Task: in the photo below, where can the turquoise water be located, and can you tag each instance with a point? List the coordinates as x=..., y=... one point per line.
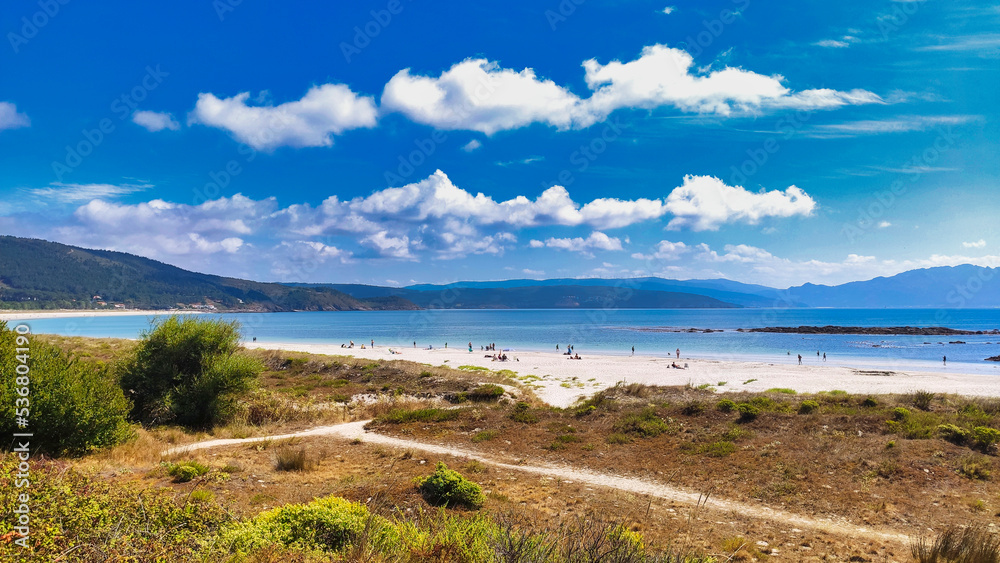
x=615, y=332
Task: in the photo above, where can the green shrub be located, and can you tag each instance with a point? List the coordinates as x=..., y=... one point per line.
x=726, y=405
x=486, y=392
x=188, y=371
x=869, y=402
x=748, y=412
x=808, y=407
x=73, y=407
x=721, y=448
x=186, y=470
x=966, y=544
x=782, y=390
x=618, y=438
x=446, y=487
x=522, y=413
x=327, y=524
x=900, y=413
x=645, y=424
x=484, y=436
x=953, y=433
x=985, y=436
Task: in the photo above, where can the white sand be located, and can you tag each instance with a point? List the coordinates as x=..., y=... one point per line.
x=70, y=313
x=563, y=381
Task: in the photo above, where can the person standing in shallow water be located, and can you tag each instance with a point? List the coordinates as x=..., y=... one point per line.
x=678, y=353
x=800, y=359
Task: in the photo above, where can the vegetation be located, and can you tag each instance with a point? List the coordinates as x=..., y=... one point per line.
x=37, y=274
x=973, y=544
x=446, y=487
x=70, y=406
x=188, y=371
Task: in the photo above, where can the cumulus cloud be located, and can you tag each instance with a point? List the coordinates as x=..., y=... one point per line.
x=471, y=145
x=981, y=243
x=312, y=121
x=705, y=203
x=155, y=121
x=596, y=241
x=479, y=95
x=668, y=10
x=10, y=118
x=75, y=193
x=664, y=250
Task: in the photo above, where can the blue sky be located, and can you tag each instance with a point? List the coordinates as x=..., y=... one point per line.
x=400, y=141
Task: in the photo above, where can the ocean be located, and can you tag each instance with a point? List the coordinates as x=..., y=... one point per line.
x=617, y=331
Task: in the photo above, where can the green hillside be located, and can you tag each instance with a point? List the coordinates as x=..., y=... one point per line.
x=37, y=274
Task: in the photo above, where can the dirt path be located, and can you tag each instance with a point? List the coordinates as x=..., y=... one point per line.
x=354, y=430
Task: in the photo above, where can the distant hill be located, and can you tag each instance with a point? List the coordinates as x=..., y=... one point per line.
x=946, y=286
x=37, y=274
x=535, y=297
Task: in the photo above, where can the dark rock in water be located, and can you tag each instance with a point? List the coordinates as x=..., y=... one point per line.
x=956, y=342
x=993, y=359
x=872, y=330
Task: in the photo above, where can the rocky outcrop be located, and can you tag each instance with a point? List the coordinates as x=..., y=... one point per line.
x=872, y=330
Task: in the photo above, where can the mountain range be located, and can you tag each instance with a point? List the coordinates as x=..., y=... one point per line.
x=39, y=274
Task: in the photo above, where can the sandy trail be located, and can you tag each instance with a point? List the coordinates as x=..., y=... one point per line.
x=352, y=430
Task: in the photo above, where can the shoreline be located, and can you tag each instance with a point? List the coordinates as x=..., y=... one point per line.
x=73, y=313
x=560, y=381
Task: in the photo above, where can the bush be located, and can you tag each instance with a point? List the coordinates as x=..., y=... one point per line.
x=726, y=405
x=73, y=407
x=484, y=436
x=985, y=436
x=486, y=392
x=869, y=402
x=900, y=413
x=645, y=424
x=186, y=471
x=721, y=448
x=922, y=400
x=693, y=408
x=953, y=433
x=328, y=524
x=446, y=487
x=521, y=413
x=808, y=407
x=187, y=371
x=748, y=412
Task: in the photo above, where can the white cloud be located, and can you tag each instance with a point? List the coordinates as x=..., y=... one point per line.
x=981, y=243
x=75, y=193
x=884, y=224
x=665, y=250
x=832, y=43
x=596, y=241
x=535, y=273
x=155, y=121
x=390, y=246
x=312, y=121
x=479, y=95
x=669, y=10
x=471, y=145
x=900, y=124
x=705, y=203
x=10, y=118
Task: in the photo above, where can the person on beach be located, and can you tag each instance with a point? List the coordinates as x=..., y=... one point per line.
x=824, y=356
x=373, y=343
x=944, y=360
x=414, y=343
x=678, y=353
x=352, y=344
x=633, y=350
x=800, y=359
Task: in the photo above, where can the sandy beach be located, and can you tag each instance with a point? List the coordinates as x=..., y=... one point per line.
x=560, y=381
